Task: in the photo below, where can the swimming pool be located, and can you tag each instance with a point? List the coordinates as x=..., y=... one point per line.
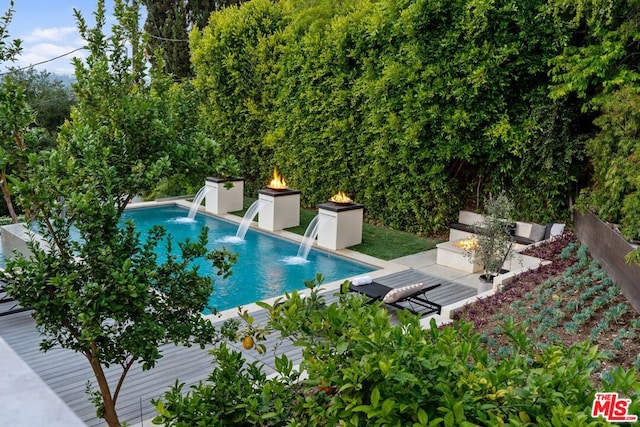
x=260, y=272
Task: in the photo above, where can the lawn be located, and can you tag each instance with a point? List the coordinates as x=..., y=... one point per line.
x=379, y=242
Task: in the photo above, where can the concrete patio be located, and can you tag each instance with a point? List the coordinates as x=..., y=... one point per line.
x=425, y=262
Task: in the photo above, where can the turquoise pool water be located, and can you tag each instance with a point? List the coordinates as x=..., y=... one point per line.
x=260, y=272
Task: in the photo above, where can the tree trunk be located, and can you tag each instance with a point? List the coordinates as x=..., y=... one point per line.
x=109, y=405
x=7, y=197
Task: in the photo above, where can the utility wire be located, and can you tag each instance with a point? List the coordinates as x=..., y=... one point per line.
x=42, y=62
x=76, y=50
x=166, y=39
x=46, y=101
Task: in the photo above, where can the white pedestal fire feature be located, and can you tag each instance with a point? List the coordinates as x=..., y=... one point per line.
x=451, y=255
x=340, y=225
x=220, y=199
x=281, y=209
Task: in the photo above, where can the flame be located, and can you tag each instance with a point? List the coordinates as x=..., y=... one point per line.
x=340, y=197
x=278, y=181
x=469, y=244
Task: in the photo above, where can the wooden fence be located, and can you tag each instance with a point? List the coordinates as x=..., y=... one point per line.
x=609, y=248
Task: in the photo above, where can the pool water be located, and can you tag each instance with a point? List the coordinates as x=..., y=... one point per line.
x=261, y=271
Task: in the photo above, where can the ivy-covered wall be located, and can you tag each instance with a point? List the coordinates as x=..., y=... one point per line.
x=415, y=108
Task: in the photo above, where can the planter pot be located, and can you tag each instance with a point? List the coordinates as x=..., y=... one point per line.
x=224, y=195
x=488, y=277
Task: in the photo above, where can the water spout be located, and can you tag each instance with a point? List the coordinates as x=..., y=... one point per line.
x=197, y=201
x=310, y=236
x=248, y=218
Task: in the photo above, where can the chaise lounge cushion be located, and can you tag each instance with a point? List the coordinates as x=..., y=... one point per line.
x=401, y=293
x=537, y=232
x=462, y=227
x=556, y=229
x=470, y=218
x=411, y=297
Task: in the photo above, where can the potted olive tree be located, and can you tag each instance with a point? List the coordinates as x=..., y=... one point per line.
x=494, y=236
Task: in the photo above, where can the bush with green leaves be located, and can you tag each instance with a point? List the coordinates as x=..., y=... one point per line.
x=193, y=155
x=412, y=107
x=15, y=119
x=600, y=69
x=359, y=369
x=16, y=139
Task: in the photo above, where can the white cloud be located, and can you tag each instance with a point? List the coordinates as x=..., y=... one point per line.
x=45, y=52
x=41, y=45
x=51, y=34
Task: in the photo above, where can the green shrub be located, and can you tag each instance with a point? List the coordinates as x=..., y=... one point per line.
x=361, y=370
x=414, y=108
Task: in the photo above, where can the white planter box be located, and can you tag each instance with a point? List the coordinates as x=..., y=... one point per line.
x=281, y=209
x=340, y=226
x=220, y=199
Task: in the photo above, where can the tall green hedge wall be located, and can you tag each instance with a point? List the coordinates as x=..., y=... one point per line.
x=414, y=108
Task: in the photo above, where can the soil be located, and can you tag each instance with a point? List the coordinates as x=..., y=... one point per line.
x=566, y=302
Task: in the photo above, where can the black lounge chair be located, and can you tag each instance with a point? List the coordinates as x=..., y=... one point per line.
x=5, y=299
x=411, y=297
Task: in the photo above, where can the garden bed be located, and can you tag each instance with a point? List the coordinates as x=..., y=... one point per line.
x=568, y=301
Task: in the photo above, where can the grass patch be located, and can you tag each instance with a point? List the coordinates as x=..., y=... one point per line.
x=380, y=242
x=385, y=243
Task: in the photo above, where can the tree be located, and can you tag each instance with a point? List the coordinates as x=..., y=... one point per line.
x=168, y=23
x=493, y=236
x=48, y=97
x=97, y=286
x=194, y=155
x=15, y=119
x=14, y=113
x=9, y=49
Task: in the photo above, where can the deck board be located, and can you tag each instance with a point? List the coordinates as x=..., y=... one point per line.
x=67, y=372
x=448, y=293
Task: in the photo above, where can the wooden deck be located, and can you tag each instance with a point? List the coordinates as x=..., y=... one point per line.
x=67, y=373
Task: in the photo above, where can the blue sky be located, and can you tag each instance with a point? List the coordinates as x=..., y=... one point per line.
x=48, y=29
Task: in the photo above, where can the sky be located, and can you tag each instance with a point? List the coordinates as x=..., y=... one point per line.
x=48, y=29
